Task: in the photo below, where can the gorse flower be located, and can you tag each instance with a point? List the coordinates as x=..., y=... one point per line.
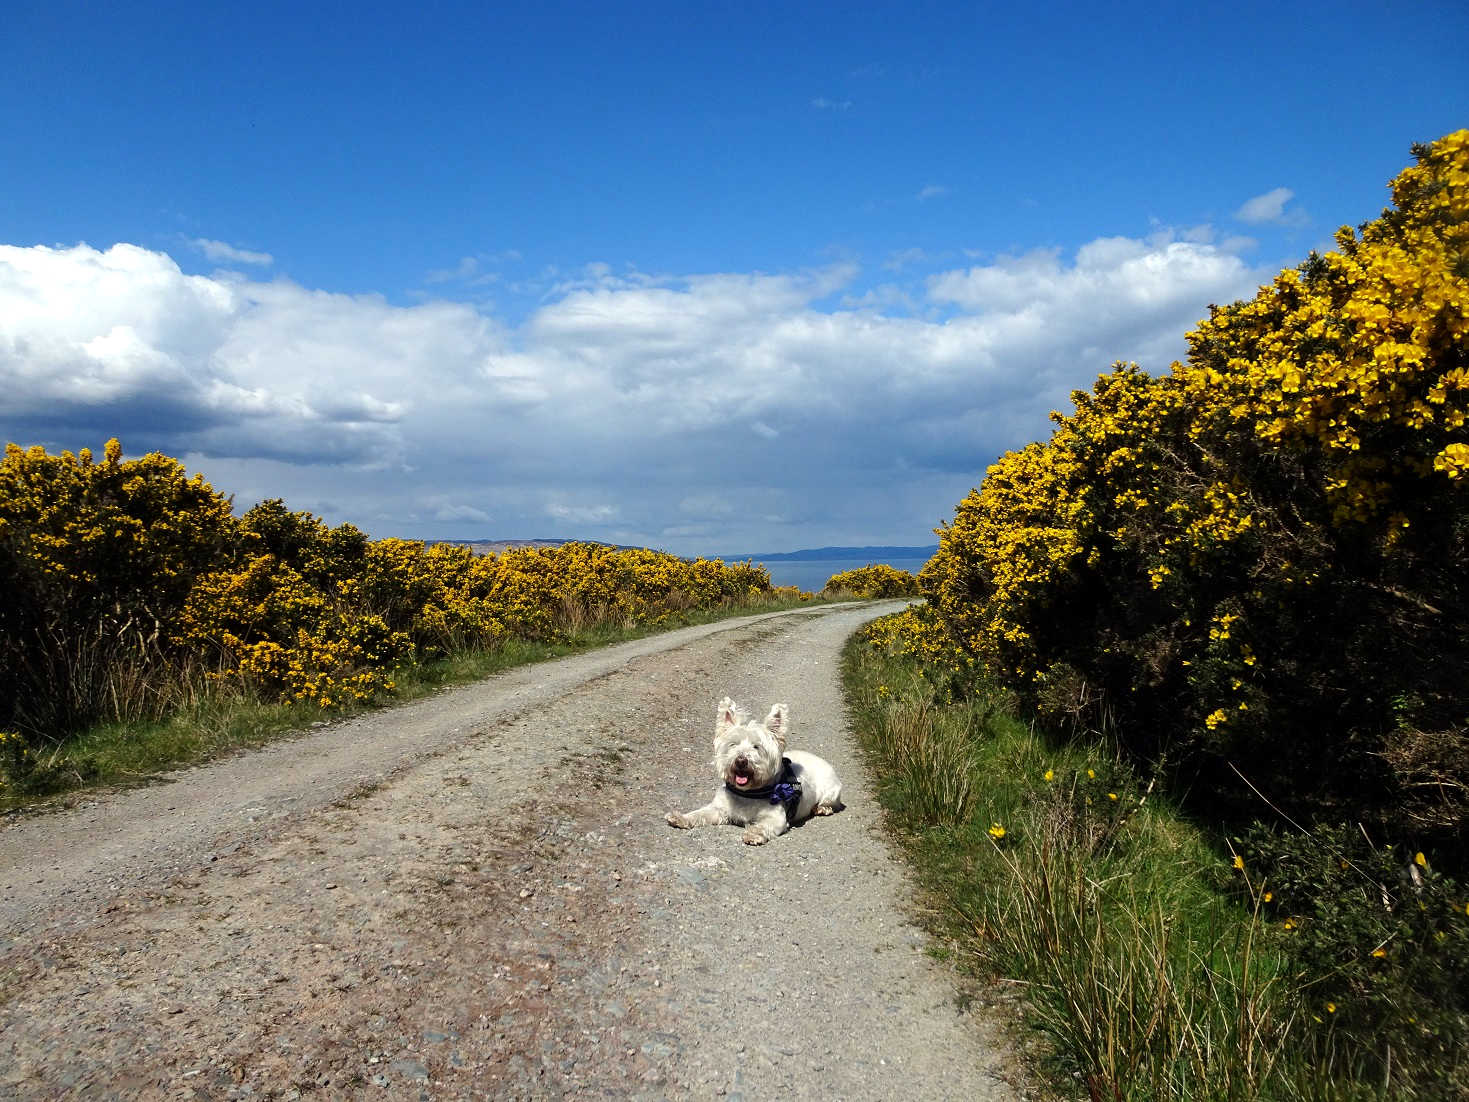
x=1221, y=559
x=874, y=580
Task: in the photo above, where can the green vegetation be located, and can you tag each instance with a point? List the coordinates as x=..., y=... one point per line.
x=1157, y=959
x=1226, y=855
x=138, y=602
x=870, y=582
x=1254, y=570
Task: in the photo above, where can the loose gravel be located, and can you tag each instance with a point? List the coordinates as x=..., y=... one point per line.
x=476, y=896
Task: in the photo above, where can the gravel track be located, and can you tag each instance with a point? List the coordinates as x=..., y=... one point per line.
x=476, y=896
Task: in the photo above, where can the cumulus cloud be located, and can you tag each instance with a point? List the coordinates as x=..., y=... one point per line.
x=222, y=253
x=218, y=365
x=1121, y=297
x=707, y=413
x=1268, y=208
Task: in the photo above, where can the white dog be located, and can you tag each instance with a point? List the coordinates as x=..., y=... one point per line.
x=765, y=788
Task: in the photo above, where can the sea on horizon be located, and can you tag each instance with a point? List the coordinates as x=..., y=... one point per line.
x=812, y=574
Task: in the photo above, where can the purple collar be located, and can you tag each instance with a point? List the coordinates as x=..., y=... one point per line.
x=785, y=789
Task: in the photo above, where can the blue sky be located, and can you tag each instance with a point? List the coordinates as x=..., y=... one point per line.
x=712, y=278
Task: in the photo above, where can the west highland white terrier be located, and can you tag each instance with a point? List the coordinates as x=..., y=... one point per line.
x=766, y=788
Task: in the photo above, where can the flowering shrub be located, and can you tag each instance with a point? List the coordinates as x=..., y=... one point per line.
x=916, y=634
x=1259, y=558
x=1385, y=939
x=97, y=558
x=873, y=580
x=134, y=576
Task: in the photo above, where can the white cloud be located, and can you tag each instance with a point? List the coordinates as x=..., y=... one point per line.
x=1123, y=298
x=218, y=364
x=885, y=297
x=1268, y=208
x=710, y=413
x=932, y=191
x=821, y=103
x=221, y=253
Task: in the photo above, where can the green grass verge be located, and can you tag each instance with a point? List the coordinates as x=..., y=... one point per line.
x=1152, y=965
x=216, y=720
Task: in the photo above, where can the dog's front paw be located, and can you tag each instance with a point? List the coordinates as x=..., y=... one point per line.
x=680, y=821
x=755, y=837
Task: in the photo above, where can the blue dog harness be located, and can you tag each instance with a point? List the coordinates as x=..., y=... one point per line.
x=784, y=790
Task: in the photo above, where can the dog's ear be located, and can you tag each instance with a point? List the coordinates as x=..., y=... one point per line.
x=778, y=723
x=728, y=716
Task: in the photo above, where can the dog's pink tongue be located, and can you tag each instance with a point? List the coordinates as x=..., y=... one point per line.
x=741, y=780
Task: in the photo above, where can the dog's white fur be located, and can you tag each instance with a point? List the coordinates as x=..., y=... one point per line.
x=748, y=755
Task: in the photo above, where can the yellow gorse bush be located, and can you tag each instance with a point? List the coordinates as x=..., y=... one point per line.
x=873, y=581
x=1259, y=556
x=134, y=564
x=98, y=558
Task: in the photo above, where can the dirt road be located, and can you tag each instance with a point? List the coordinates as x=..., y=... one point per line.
x=476, y=896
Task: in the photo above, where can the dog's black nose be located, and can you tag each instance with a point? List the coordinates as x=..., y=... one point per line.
x=742, y=762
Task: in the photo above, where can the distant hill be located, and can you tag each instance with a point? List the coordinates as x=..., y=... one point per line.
x=841, y=554
x=494, y=547
x=810, y=554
